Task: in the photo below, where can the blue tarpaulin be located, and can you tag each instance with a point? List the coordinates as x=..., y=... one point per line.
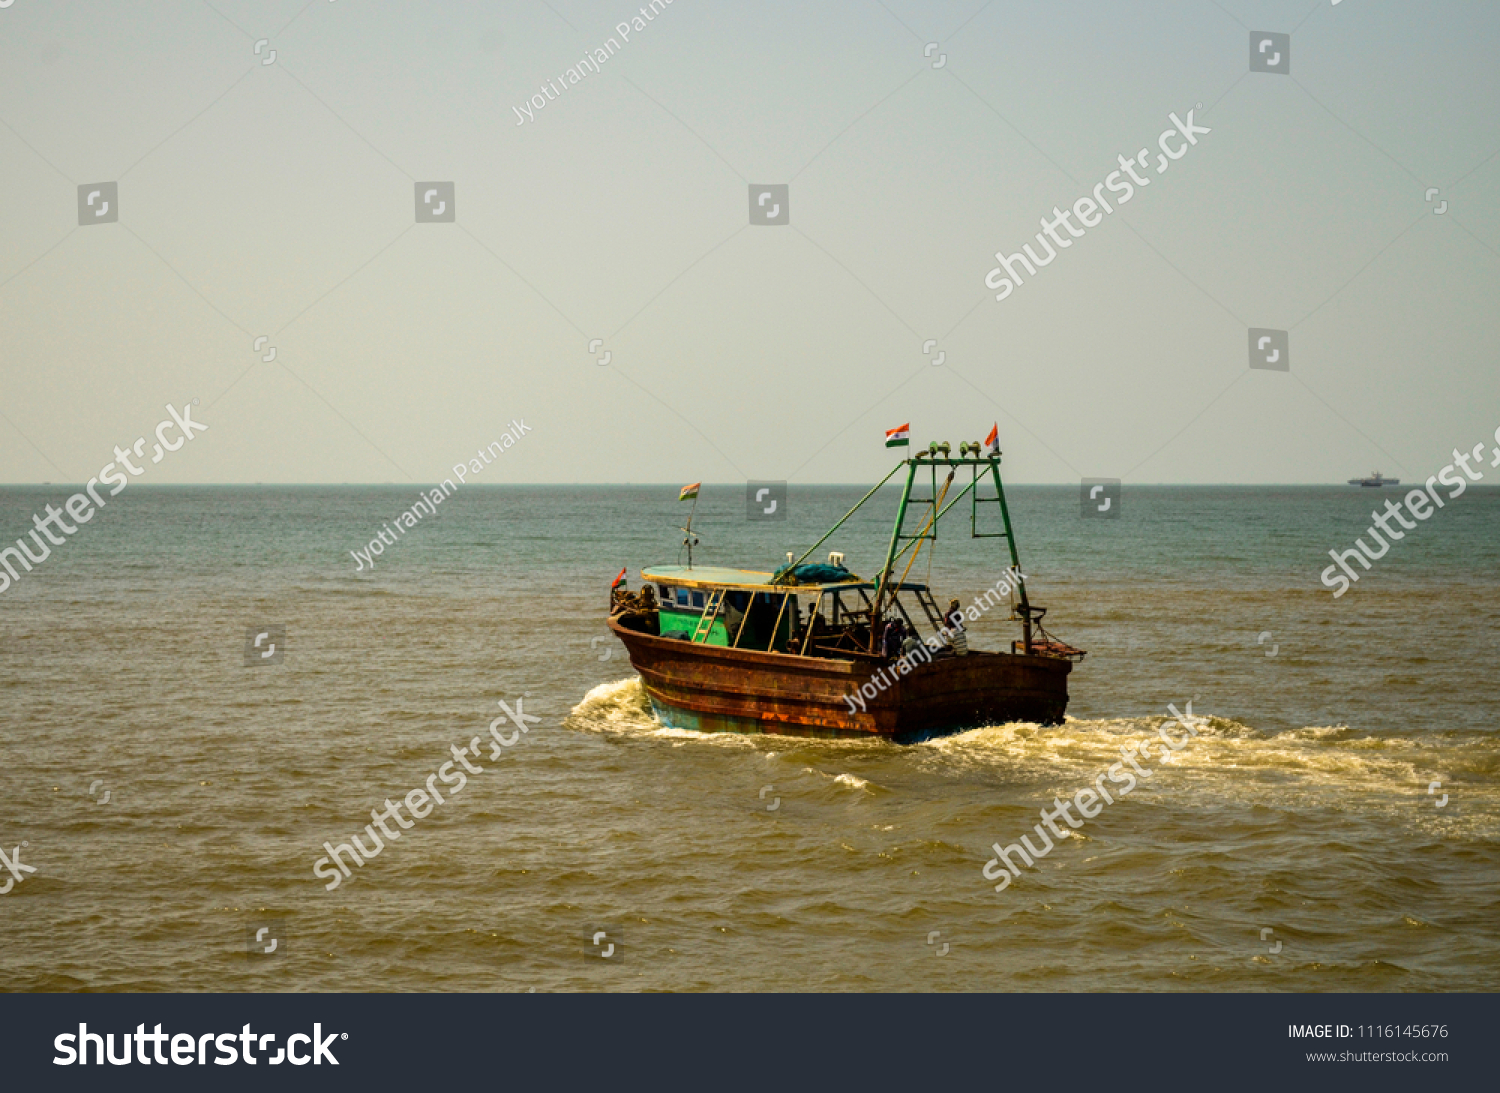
x=817, y=573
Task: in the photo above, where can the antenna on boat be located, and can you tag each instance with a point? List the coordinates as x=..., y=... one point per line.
x=690, y=540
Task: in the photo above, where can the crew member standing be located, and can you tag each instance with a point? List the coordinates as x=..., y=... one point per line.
x=955, y=620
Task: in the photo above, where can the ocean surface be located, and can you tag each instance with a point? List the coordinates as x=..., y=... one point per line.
x=1334, y=826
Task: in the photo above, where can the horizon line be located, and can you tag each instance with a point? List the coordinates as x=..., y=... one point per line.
x=663, y=485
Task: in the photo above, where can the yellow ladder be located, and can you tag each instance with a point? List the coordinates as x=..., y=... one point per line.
x=710, y=613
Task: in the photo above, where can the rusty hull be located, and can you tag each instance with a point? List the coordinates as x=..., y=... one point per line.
x=712, y=688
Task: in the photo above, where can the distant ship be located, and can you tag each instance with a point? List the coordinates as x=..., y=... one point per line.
x=1375, y=480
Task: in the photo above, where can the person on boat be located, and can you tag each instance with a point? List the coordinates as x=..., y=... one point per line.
x=955, y=621
x=734, y=617
x=625, y=603
x=810, y=633
x=895, y=634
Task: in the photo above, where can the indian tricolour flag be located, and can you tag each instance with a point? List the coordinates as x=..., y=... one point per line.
x=689, y=492
x=899, y=437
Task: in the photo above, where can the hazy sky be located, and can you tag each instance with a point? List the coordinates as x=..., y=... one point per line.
x=279, y=199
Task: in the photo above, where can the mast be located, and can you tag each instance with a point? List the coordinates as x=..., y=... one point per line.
x=1015, y=558
x=933, y=457
x=895, y=551
x=890, y=554
x=688, y=531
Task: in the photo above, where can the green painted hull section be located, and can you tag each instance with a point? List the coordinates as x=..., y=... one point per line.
x=687, y=623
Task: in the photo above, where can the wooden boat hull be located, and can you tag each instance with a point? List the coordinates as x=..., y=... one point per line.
x=712, y=688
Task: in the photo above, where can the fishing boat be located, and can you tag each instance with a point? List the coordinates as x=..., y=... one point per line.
x=814, y=649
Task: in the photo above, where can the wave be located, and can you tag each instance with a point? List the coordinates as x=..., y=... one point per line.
x=620, y=706
x=1234, y=757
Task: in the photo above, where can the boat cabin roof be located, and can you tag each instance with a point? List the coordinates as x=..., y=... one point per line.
x=749, y=580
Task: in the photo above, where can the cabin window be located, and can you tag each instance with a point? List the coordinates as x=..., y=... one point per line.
x=698, y=599
x=666, y=593
x=682, y=597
